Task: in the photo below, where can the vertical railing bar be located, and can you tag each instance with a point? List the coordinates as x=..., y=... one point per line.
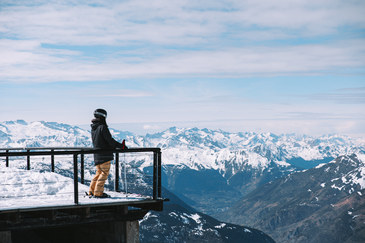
x=159, y=175
x=154, y=175
x=116, y=179
x=125, y=176
x=28, y=159
x=76, y=186
x=7, y=159
x=52, y=160
x=82, y=168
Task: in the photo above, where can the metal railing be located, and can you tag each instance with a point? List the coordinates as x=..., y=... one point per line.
x=82, y=151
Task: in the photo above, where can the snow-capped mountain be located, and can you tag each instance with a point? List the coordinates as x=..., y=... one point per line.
x=322, y=204
x=195, y=148
x=211, y=169
x=42, y=134
x=202, y=166
x=209, y=149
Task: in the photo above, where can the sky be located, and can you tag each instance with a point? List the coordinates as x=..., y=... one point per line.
x=285, y=66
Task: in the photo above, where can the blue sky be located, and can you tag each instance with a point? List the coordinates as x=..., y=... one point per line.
x=268, y=66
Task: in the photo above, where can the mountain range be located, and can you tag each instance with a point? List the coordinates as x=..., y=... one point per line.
x=209, y=169
x=289, y=186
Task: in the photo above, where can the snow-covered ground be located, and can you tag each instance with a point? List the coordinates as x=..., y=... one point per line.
x=21, y=189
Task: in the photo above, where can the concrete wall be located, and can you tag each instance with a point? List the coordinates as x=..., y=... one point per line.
x=5, y=237
x=107, y=232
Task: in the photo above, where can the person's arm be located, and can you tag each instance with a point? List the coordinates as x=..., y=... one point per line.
x=110, y=140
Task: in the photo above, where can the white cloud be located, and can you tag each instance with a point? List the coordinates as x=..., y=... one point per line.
x=173, y=22
x=28, y=62
x=158, y=39
x=123, y=93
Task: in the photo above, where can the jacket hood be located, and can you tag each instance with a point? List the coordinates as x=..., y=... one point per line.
x=96, y=122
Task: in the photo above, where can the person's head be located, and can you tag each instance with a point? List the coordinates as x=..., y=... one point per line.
x=100, y=113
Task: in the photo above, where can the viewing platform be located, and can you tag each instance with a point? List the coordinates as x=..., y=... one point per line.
x=52, y=200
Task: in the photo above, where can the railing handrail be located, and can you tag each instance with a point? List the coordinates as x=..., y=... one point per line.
x=70, y=150
x=40, y=148
x=75, y=151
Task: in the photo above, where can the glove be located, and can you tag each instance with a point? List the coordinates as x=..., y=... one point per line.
x=123, y=145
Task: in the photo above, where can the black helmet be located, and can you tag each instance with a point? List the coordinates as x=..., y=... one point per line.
x=99, y=113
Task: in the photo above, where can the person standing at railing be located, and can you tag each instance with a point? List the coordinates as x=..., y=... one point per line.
x=102, y=139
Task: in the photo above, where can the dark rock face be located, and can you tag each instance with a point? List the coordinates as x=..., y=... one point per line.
x=178, y=222
x=323, y=204
x=210, y=192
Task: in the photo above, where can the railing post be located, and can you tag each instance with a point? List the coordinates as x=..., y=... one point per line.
x=76, y=186
x=116, y=180
x=82, y=169
x=52, y=160
x=155, y=175
x=7, y=159
x=159, y=175
x=125, y=176
x=28, y=159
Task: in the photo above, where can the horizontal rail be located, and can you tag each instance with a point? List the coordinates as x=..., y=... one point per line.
x=69, y=151
x=42, y=148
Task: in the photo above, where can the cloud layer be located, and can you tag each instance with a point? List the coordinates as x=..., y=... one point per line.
x=48, y=41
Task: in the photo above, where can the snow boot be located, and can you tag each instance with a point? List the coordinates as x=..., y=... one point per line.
x=103, y=196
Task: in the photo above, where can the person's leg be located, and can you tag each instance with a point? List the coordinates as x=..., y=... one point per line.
x=94, y=180
x=99, y=187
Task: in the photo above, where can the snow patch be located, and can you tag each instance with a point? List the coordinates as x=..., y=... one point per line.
x=247, y=230
x=222, y=225
x=361, y=157
x=282, y=163
x=336, y=187
x=196, y=218
x=320, y=165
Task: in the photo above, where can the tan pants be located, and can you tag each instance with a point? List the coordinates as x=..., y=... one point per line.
x=98, y=181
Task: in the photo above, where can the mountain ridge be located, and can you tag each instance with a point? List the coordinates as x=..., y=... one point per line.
x=253, y=149
x=325, y=204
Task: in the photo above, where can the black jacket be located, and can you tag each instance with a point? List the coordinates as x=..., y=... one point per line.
x=102, y=139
